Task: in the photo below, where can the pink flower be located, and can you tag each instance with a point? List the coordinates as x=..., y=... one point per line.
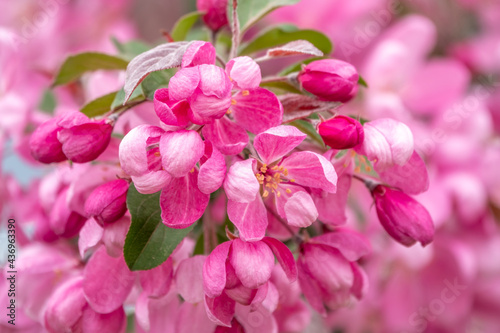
x=328, y=273
x=158, y=160
x=329, y=79
x=253, y=109
x=387, y=142
x=68, y=311
x=341, y=132
x=70, y=136
x=198, y=94
x=199, y=53
x=215, y=13
x=239, y=271
x=107, y=203
x=284, y=181
x=406, y=220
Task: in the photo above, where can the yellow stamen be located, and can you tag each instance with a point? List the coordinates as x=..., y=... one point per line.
x=292, y=180
x=192, y=170
x=285, y=172
x=278, y=194
x=245, y=92
x=229, y=111
x=265, y=194
x=233, y=101
x=157, y=154
x=288, y=191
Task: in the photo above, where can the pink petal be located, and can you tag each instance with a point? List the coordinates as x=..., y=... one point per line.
x=193, y=318
x=114, y=322
x=65, y=306
x=189, y=279
x=205, y=109
x=183, y=84
x=242, y=294
x=388, y=141
x=156, y=282
x=256, y=321
x=300, y=210
x=226, y=136
x=250, y=218
x=360, y=285
x=199, y=53
x=171, y=113
x=90, y=236
x=284, y=256
x=399, y=175
x=331, y=206
x=213, y=171
x=436, y=86
x=181, y=202
x=214, y=81
x=114, y=236
x=312, y=170
x=220, y=310
x=352, y=244
x=276, y=142
x=240, y=184
x=151, y=182
x=311, y=289
x=244, y=72
x=253, y=262
x=180, y=151
x=133, y=153
x=214, y=270
x=257, y=110
x=107, y=281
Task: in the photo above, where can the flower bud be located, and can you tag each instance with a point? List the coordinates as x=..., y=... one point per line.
x=341, y=132
x=404, y=218
x=329, y=79
x=215, y=17
x=107, y=203
x=44, y=145
x=82, y=139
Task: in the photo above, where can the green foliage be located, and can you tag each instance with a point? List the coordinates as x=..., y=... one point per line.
x=149, y=242
x=284, y=34
x=76, y=65
x=99, y=106
x=183, y=26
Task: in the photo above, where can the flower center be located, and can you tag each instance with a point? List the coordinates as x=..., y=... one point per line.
x=269, y=178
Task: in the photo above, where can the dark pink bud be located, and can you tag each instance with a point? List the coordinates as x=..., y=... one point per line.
x=215, y=17
x=199, y=53
x=44, y=145
x=404, y=218
x=330, y=79
x=82, y=139
x=341, y=132
x=107, y=203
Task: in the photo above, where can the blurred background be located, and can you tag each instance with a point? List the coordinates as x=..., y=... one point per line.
x=434, y=65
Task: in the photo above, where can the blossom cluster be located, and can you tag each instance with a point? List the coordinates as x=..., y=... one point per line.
x=234, y=199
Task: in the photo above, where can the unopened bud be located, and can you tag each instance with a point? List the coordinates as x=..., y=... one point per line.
x=107, y=203
x=215, y=17
x=341, y=132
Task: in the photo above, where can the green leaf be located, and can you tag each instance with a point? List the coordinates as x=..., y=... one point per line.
x=48, y=102
x=137, y=95
x=250, y=11
x=297, y=66
x=284, y=34
x=308, y=129
x=183, y=25
x=362, y=82
x=131, y=49
x=77, y=65
x=282, y=86
x=149, y=242
x=99, y=106
x=156, y=80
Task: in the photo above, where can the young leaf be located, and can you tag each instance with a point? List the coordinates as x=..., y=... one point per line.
x=297, y=47
x=149, y=242
x=161, y=57
x=284, y=34
x=362, y=82
x=250, y=11
x=308, y=129
x=183, y=25
x=76, y=65
x=301, y=106
x=99, y=106
x=156, y=81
